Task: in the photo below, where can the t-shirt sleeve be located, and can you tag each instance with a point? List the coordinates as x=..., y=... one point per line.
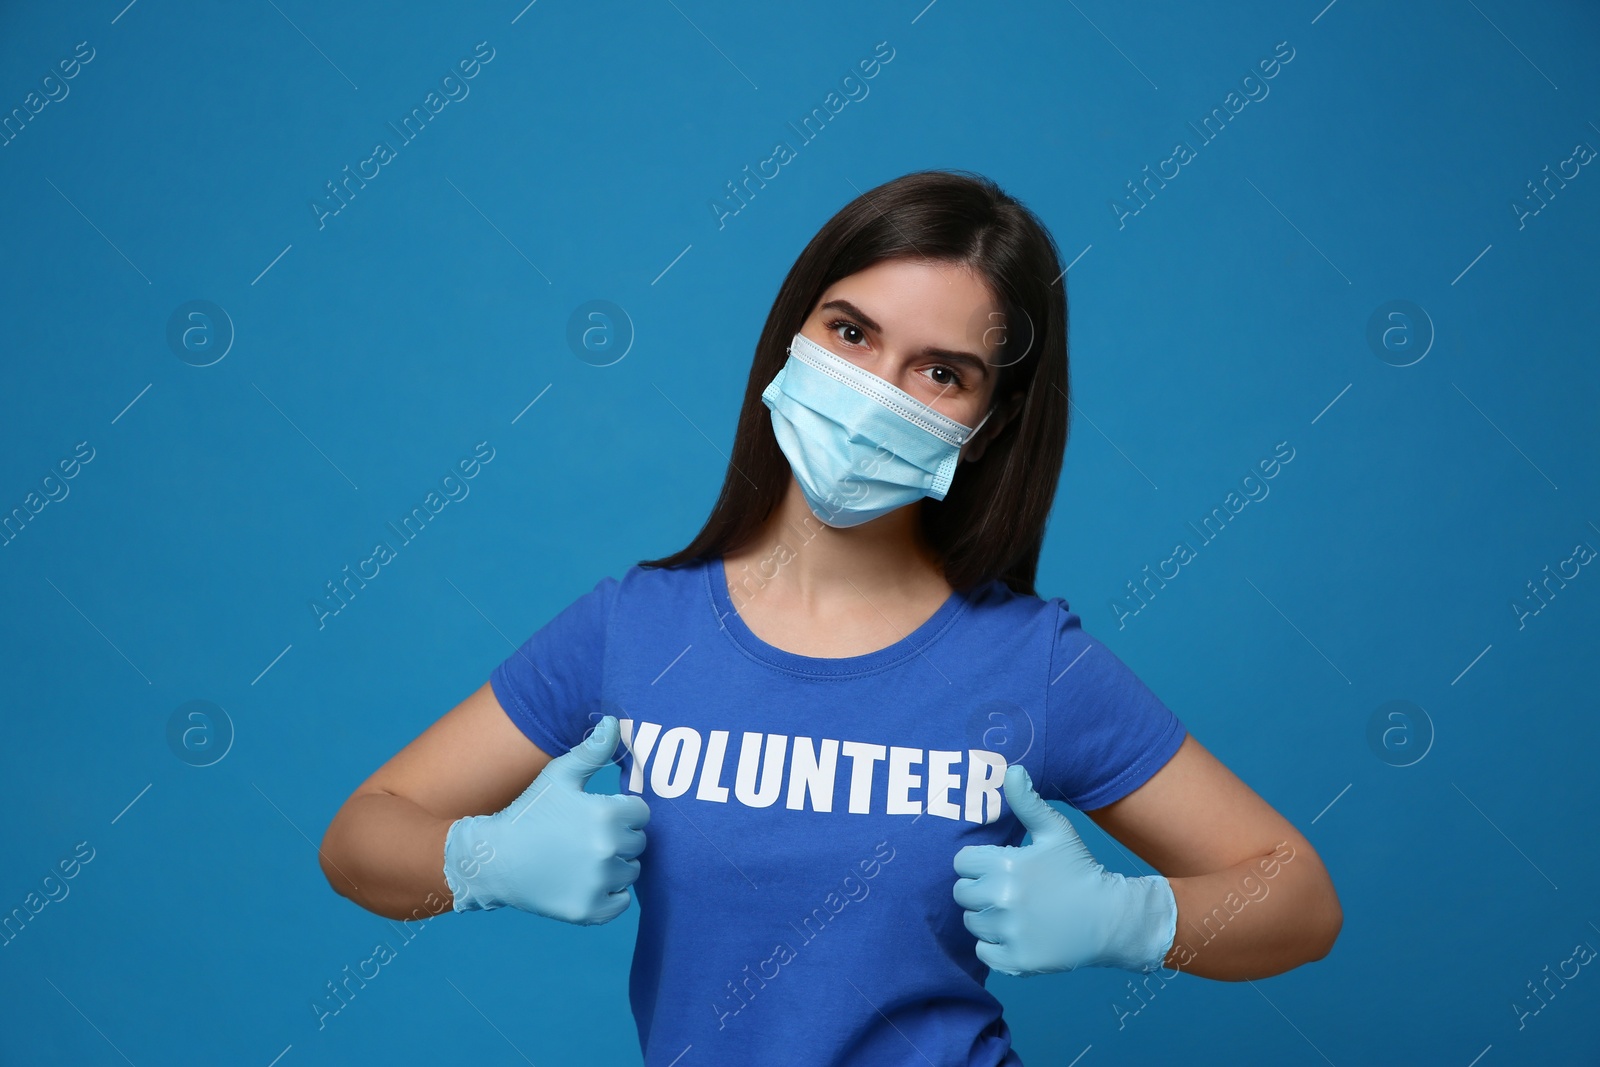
x=551, y=684
x=1106, y=733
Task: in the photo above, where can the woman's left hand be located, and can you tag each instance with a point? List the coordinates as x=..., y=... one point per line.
x=1051, y=906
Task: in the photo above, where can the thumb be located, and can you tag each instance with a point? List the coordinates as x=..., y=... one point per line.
x=1044, y=822
x=577, y=765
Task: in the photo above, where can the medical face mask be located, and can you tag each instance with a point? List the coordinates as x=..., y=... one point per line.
x=859, y=446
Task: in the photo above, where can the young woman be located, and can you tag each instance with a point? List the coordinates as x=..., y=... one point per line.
x=842, y=706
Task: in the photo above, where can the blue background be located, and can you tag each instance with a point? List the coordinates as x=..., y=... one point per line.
x=371, y=354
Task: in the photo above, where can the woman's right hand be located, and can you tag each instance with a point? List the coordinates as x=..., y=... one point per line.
x=556, y=850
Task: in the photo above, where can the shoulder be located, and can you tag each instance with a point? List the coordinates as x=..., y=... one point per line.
x=997, y=604
x=647, y=580
x=1054, y=615
x=635, y=589
x=1050, y=627
x=652, y=588
x=1004, y=631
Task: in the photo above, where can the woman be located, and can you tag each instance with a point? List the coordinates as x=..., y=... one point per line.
x=841, y=706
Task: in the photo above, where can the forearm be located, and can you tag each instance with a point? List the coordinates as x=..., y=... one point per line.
x=386, y=853
x=1255, y=919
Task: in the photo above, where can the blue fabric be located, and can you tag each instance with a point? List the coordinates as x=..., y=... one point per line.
x=785, y=922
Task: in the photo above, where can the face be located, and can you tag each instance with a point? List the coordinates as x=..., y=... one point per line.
x=919, y=325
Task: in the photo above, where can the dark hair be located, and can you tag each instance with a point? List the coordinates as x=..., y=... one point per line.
x=991, y=523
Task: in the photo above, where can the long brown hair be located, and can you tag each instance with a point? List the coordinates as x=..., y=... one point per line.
x=991, y=523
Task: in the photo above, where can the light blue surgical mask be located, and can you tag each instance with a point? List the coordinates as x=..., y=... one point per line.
x=859, y=446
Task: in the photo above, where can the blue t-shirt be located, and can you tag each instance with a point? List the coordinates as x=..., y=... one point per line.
x=794, y=895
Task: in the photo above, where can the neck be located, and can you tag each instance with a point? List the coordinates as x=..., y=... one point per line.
x=812, y=563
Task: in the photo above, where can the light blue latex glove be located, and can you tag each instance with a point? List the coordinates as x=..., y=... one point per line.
x=556, y=850
x=1050, y=906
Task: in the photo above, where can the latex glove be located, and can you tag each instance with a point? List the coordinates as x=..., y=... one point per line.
x=1050, y=906
x=556, y=850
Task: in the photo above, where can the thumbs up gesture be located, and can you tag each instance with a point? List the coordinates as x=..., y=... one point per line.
x=1050, y=906
x=556, y=850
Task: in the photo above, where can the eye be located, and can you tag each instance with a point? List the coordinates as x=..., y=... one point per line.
x=956, y=379
x=850, y=328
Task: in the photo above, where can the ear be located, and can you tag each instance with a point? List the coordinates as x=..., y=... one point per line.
x=1008, y=410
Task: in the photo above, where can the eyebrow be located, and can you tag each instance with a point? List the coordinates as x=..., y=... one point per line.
x=978, y=365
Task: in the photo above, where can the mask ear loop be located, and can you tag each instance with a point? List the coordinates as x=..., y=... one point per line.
x=968, y=438
x=981, y=421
